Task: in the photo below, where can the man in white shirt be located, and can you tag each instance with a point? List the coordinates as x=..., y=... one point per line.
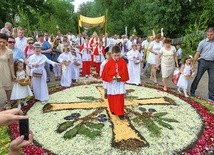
x=21, y=40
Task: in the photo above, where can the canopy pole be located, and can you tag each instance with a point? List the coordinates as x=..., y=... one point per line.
x=106, y=21
x=78, y=19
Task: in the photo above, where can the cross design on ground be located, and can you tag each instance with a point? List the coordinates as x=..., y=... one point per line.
x=123, y=131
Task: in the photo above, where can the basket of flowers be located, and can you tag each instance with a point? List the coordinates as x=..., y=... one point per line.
x=24, y=82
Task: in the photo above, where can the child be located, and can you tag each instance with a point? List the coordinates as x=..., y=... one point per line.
x=186, y=73
x=134, y=59
x=115, y=74
x=86, y=52
x=37, y=63
x=76, y=66
x=20, y=92
x=108, y=56
x=66, y=60
x=98, y=54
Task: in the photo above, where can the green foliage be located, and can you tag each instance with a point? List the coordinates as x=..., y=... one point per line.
x=152, y=121
x=153, y=128
x=4, y=140
x=131, y=97
x=194, y=34
x=72, y=132
x=40, y=15
x=64, y=126
x=88, y=98
x=90, y=130
x=144, y=15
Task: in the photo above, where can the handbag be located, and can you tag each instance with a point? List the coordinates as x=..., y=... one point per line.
x=175, y=76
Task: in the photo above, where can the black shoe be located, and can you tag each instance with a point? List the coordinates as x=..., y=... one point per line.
x=121, y=117
x=48, y=80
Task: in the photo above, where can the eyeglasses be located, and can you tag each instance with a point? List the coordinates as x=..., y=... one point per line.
x=30, y=43
x=11, y=42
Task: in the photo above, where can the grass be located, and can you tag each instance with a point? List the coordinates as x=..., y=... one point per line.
x=4, y=140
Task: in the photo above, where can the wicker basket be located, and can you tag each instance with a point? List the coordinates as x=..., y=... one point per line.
x=24, y=82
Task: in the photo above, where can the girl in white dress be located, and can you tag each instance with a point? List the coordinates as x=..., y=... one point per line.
x=186, y=74
x=20, y=92
x=66, y=60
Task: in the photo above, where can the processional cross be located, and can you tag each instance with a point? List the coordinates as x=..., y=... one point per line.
x=124, y=133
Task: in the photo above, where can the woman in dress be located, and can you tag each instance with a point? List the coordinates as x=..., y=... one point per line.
x=168, y=58
x=154, y=49
x=6, y=68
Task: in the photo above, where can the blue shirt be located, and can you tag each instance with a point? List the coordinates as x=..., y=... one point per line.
x=45, y=46
x=206, y=49
x=18, y=54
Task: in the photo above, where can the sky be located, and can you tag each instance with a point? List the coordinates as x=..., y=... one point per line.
x=78, y=2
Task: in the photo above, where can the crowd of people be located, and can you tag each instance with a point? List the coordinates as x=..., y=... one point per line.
x=26, y=64
x=69, y=57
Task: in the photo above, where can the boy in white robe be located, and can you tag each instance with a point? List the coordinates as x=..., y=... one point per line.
x=65, y=59
x=134, y=59
x=37, y=63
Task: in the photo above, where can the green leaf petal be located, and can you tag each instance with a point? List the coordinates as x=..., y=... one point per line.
x=168, y=120
x=72, y=132
x=160, y=114
x=64, y=126
x=166, y=125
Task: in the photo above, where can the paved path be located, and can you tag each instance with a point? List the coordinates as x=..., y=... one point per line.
x=202, y=90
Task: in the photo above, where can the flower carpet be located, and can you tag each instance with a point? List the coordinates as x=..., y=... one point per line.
x=77, y=120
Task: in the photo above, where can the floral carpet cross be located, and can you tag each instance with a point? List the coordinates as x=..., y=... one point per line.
x=125, y=135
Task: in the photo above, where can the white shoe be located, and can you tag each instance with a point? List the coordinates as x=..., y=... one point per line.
x=43, y=102
x=19, y=106
x=179, y=90
x=25, y=103
x=186, y=95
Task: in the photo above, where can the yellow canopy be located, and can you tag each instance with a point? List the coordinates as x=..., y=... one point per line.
x=91, y=22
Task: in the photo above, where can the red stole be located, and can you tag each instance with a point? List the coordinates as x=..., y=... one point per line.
x=83, y=46
x=98, y=52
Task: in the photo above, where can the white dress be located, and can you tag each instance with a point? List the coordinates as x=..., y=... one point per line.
x=66, y=78
x=152, y=59
x=184, y=82
x=75, y=73
x=40, y=87
x=167, y=61
x=18, y=91
x=133, y=68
